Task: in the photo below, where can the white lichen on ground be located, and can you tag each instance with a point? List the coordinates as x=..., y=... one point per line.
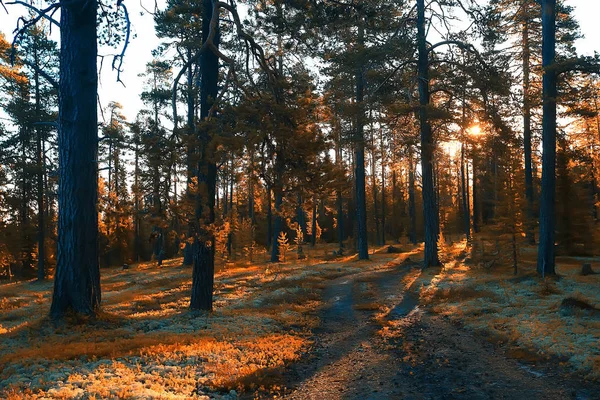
x=522, y=311
x=146, y=344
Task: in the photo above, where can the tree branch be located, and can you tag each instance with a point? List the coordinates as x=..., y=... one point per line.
x=127, y=36
x=41, y=13
x=42, y=73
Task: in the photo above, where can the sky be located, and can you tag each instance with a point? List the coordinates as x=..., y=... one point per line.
x=139, y=50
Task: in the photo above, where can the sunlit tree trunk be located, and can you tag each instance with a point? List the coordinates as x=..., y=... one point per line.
x=204, y=241
x=465, y=193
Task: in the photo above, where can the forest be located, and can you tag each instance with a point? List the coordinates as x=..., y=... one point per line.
x=317, y=199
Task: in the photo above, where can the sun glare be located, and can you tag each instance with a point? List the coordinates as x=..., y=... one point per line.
x=475, y=130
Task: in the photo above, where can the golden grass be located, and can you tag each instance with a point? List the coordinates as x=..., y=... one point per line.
x=7, y=304
x=145, y=343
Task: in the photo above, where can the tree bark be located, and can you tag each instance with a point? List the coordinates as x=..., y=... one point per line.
x=203, y=273
x=382, y=189
x=465, y=194
x=412, y=207
x=338, y=192
x=313, y=238
x=546, y=252
x=530, y=212
x=359, y=153
x=41, y=273
x=375, y=200
x=77, y=279
x=430, y=207
x=136, y=204
x=269, y=218
x=475, y=199
x=277, y=226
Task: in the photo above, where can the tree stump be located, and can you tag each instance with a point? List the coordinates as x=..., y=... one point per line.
x=586, y=269
x=394, y=250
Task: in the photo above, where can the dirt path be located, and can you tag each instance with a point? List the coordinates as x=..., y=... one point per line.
x=431, y=359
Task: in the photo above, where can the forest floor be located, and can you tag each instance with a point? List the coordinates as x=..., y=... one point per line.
x=321, y=328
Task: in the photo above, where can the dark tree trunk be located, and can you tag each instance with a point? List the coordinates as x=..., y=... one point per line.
x=465, y=194
x=301, y=216
x=188, y=253
x=136, y=205
x=395, y=221
x=475, y=199
x=225, y=196
x=251, y=214
x=277, y=226
x=231, y=182
x=382, y=189
x=269, y=218
x=338, y=192
x=530, y=212
x=430, y=207
x=204, y=241
x=412, y=207
x=41, y=273
x=340, y=220
x=545, y=260
x=313, y=238
x=27, y=244
x=375, y=200
x=77, y=279
x=361, y=197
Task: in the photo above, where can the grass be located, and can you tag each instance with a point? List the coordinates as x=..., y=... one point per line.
x=523, y=311
x=147, y=344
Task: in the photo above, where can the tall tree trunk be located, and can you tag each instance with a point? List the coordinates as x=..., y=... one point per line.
x=545, y=260
x=412, y=207
x=77, y=279
x=278, y=225
x=188, y=253
x=361, y=197
x=300, y=215
x=382, y=187
x=530, y=212
x=395, y=217
x=269, y=218
x=465, y=194
x=251, y=190
x=203, y=273
x=338, y=192
x=313, y=236
x=475, y=199
x=375, y=202
x=136, y=204
x=430, y=207
x=464, y=179
x=41, y=273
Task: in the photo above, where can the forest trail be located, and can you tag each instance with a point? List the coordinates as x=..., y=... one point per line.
x=353, y=358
